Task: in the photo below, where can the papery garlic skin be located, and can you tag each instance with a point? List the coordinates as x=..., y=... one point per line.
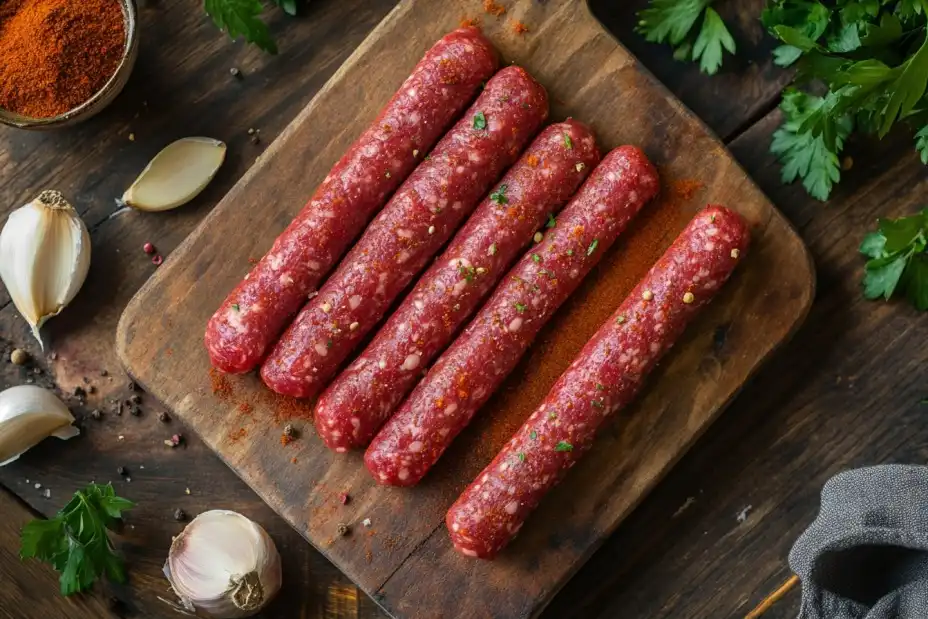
x=29, y=414
x=223, y=565
x=44, y=257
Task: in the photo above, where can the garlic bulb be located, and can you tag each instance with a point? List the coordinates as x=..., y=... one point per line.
x=44, y=257
x=28, y=414
x=176, y=175
x=223, y=565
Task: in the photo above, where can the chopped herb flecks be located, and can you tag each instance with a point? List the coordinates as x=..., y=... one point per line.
x=570, y=252
x=552, y=415
x=597, y=403
x=592, y=247
x=620, y=319
x=499, y=196
x=600, y=387
x=551, y=222
x=236, y=307
x=467, y=273
x=533, y=435
x=480, y=121
x=568, y=143
x=521, y=457
x=492, y=249
x=520, y=307
x=564, y=446
x=536, y=258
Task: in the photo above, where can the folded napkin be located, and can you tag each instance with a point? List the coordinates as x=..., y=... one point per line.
x=866, y=555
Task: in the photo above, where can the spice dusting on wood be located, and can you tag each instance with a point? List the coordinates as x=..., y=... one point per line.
x=57, y=54
x=493, y=8
x=519, y=28
x=470, y=22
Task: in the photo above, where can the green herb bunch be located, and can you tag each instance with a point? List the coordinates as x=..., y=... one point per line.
x=898, y=262
x=75, y=541
x=242, y=18
x=692, y=27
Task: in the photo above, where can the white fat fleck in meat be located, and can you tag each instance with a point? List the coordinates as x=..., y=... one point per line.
x=402, y=257
x=336, y=434
x=712, y=231
x=515, y=325
x=457, y=206
x=459, y=287
x=403, y=474
x=313, y=265
x=455, y=526
x=403, y=233
x=710, y=246
x=354, y=301
x=415, y=446
x=611, y=176
x=511, y=507
x=419, y=304
x=460, y=169
x=450, y=409
x=459, y=262
x=511, y=490
x=412, y=93
x=574, y=273
x=468, y=551
x=414, y=118
x=286, y=280
x=411, y=362
x=504, y=467
x=474, y=156
x=321, y=349
x=234, y=318
x=382, y=364
x=275, y=261
x=371, y=149
x=443, y=431
x=655, y=347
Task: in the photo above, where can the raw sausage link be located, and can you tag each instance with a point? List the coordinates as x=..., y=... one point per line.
x=242, y=330
x=606, y=375
x=418, y=220
x=356, y=404
x=477, y=362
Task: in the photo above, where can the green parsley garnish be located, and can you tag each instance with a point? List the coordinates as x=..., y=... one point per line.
x=564, y=446
x=568, y=143
x=551, y=222
x=468, y=273
x=242, y=18
x=499, y=196
x=592, y=247
x=480, y=121
x=236, y=307
x=597, y=404
x=492, y=249
x=600, y=387
x=533, y=435
x=536, y=258
x=673, y=22
x=570, y=252
x=525, y=106
x=520, y=307
x=898, y=259
x=552, y=415
x=75, y=541
x=620, y=319
x=521, y=457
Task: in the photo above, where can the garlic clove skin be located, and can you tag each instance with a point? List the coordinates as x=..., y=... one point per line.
x=29, y=414
x=176, y=175
x=223, y=565
x=44, y=257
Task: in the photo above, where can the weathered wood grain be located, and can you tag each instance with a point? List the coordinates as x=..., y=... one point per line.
x=405, y=556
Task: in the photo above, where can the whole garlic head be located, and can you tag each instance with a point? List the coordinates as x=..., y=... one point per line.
x=44, y=257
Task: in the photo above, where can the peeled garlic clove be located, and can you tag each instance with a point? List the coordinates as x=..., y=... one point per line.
x=44, y=257
x=223, y=565
x=29, y=414
x=176, y=175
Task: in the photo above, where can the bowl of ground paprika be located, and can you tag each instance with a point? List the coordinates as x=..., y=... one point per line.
x=63, y=60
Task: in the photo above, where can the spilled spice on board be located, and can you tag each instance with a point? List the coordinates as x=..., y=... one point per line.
x=519, y=28
x=470, y=22
x=492, y=8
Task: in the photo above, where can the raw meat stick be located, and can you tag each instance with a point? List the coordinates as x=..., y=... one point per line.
x=245, y=326
x=479, y=360
x=419, y=219
x=362, y=397
x=607, y=374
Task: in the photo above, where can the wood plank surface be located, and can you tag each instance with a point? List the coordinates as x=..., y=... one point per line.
x=405, y=557
x=799, y=421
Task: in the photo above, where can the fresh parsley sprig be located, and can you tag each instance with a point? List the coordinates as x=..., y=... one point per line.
x=674, y=22
x=242, y=18
x=75, y=541
x=898, y=259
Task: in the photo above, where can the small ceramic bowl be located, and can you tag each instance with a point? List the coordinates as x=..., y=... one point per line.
x=103, y=97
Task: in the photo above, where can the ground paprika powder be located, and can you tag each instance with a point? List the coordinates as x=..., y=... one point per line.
x=56, y=54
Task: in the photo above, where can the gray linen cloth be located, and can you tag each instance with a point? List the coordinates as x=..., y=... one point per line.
x=866, y=555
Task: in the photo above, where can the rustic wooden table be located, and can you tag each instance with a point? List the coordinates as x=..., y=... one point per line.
x=845, y=392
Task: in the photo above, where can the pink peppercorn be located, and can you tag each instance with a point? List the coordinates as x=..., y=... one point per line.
x=157, y=260
x=344, y=498
x=148, y=248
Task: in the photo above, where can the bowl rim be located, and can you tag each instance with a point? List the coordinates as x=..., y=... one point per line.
x=130, y=19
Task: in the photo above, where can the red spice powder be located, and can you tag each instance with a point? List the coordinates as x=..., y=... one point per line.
x=254, y=261
x=285, y=439
x=492, y=8
x=245, y=408
x=235, y=435
x=221, y=386
x=470, y=22
x=519, y=28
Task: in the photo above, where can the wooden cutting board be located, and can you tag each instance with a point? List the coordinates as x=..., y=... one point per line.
x=404, y=558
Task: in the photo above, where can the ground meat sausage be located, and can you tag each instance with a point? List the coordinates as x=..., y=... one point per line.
x=356, y=404
x=444, y=82
x=419, y=219
x=606, y=375
x=476, y=363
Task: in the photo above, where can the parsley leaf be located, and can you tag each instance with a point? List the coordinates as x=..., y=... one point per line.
x=480, y=121
x=75, y=541
x=520, y=307
x=288, y=6
x=241, y=18
x=898, y=261
x=568, y=143
x=713, y=36
x=563, y=446
x=499, y=196
x=674, y=22
x=592, y=247
x=921, y=144
x=551, y=222
x=804, y=154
